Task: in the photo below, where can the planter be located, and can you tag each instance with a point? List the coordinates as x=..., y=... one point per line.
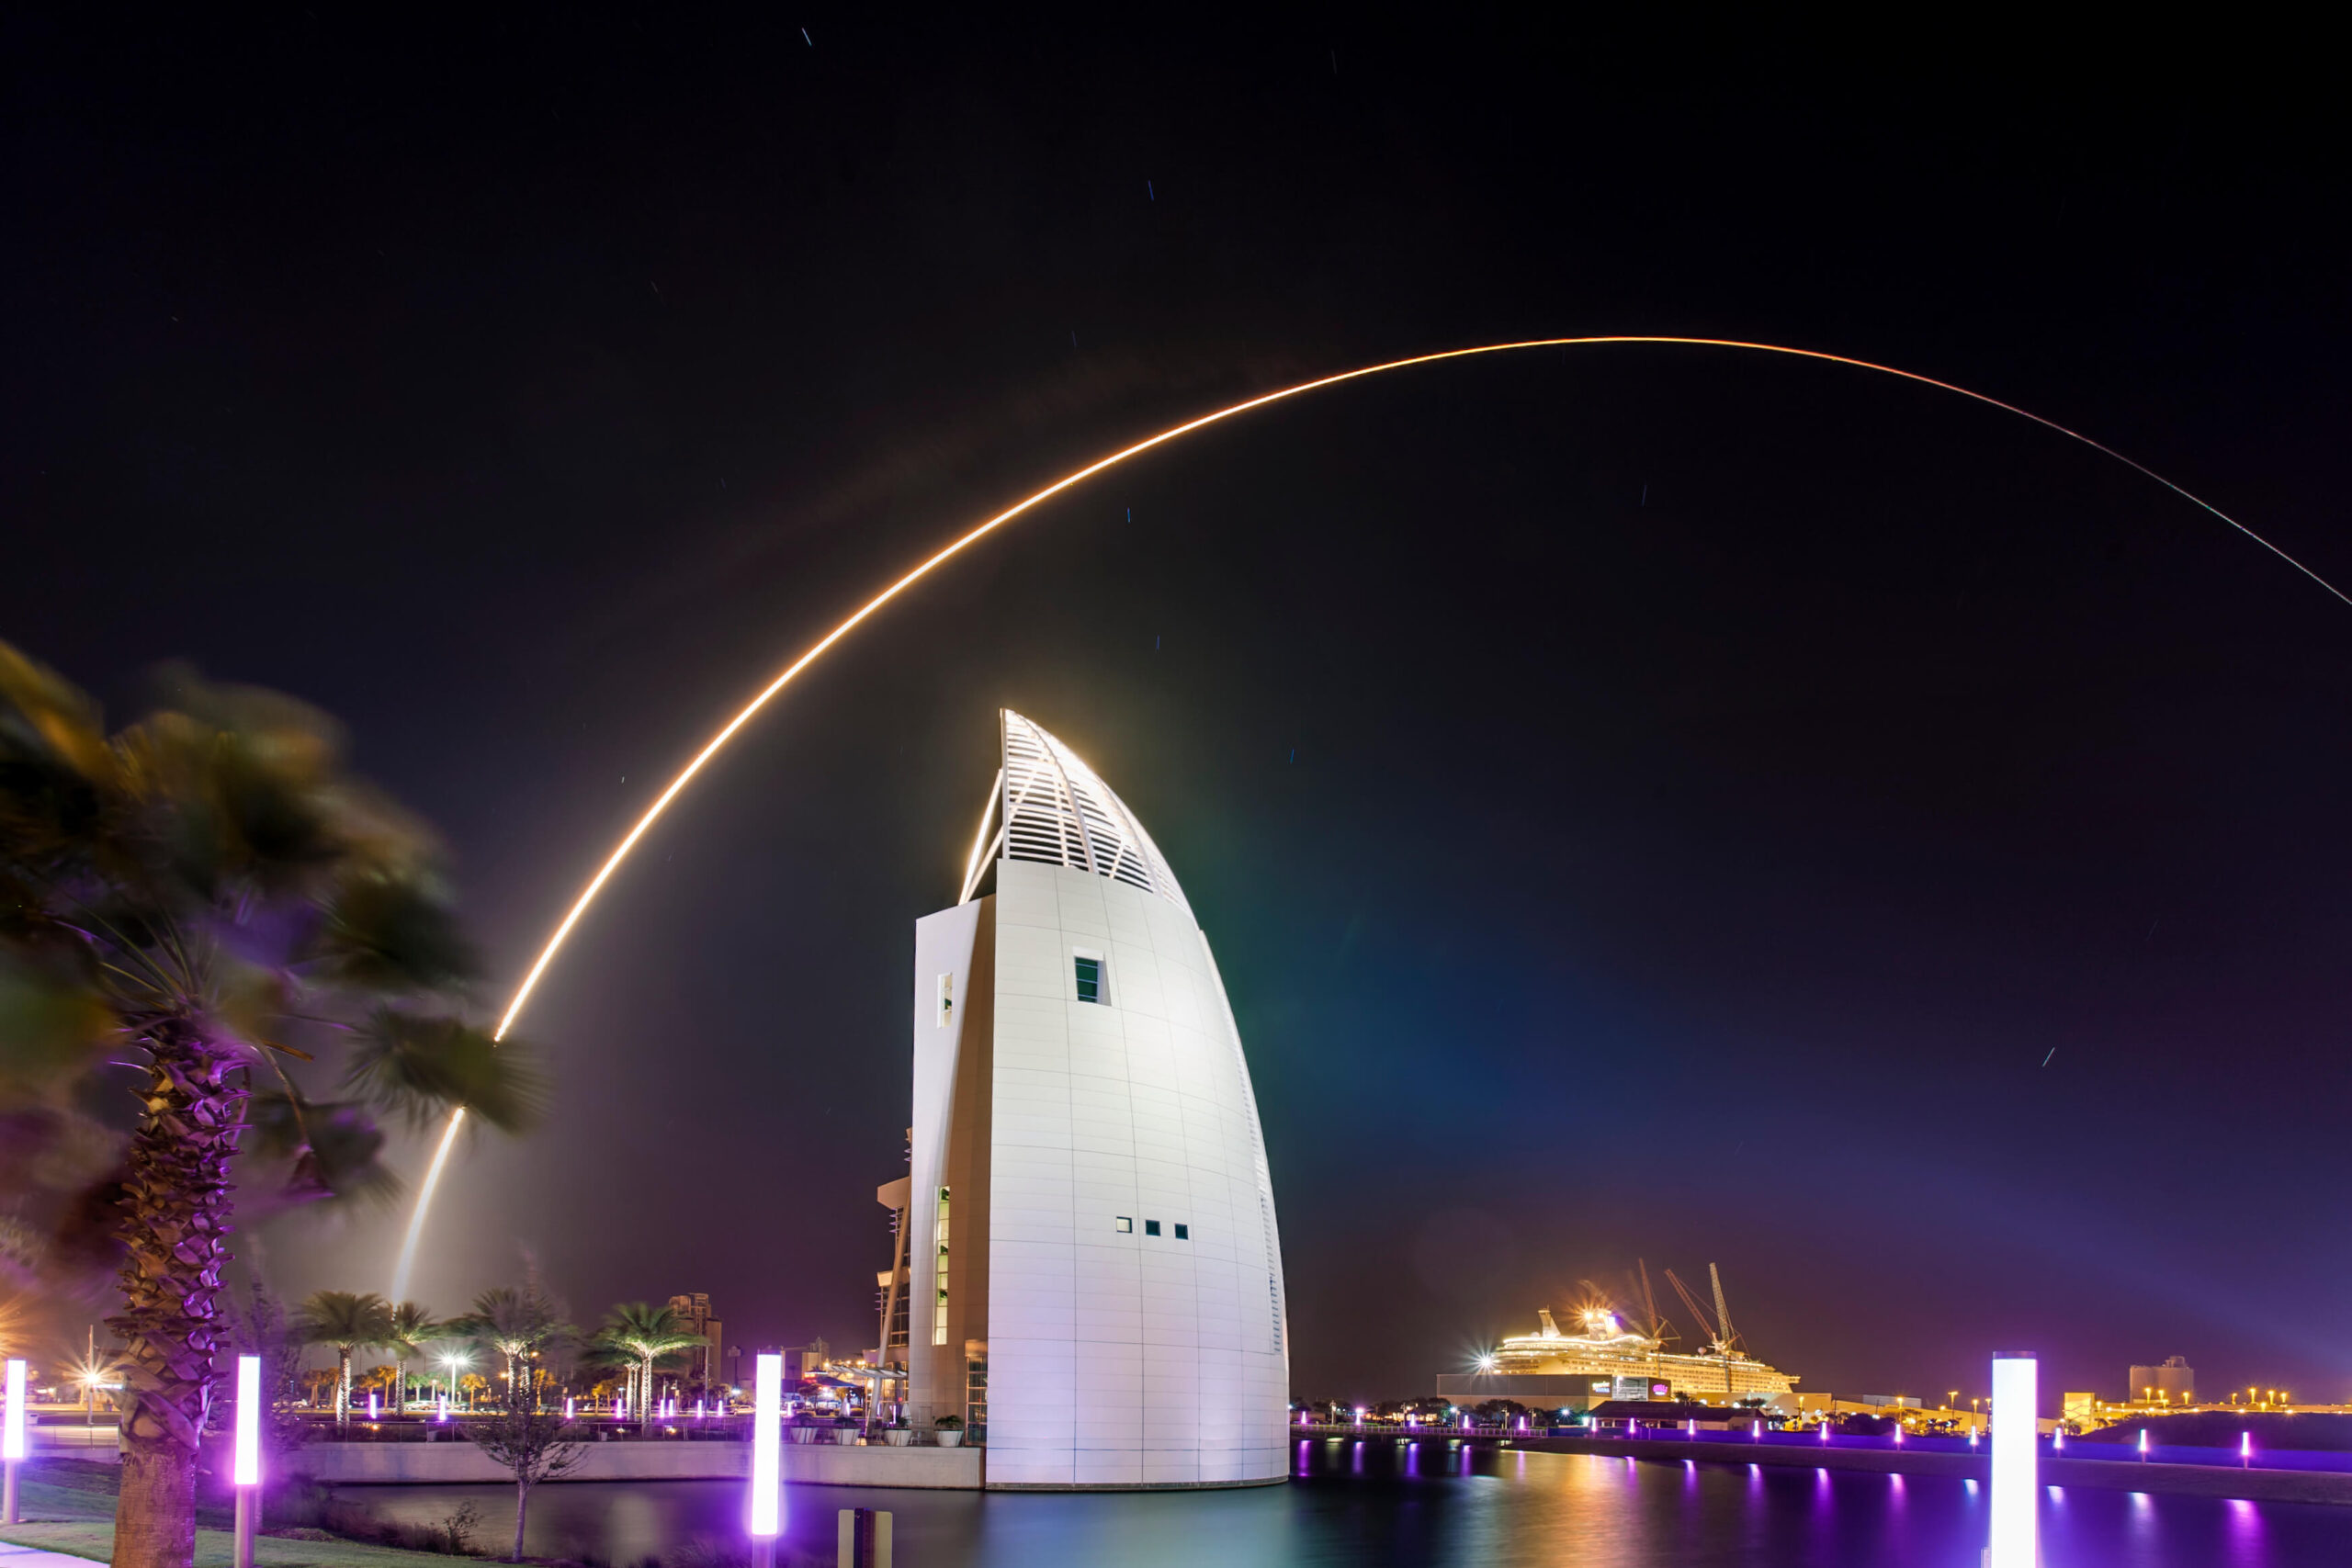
x=898, y=1436
x=845, y=1436
x=801, y=1434
x=952, y=1438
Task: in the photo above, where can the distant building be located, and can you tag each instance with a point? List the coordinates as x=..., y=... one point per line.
x=2080, y=1409
x=1672, y=1412
x=1899, y=1401
x=705, y=1366
x=2174, y=1382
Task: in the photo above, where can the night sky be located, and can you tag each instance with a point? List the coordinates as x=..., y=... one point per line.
x=1644, y=802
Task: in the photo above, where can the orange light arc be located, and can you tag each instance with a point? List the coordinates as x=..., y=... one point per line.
x=750, y=710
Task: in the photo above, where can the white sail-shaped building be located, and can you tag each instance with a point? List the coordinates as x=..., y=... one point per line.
x=1091, y=1274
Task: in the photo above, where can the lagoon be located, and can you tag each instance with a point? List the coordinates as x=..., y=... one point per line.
x=1432, y=1504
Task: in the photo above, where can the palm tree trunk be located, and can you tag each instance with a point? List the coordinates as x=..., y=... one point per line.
x=342, y=1384
x=645, y=1396
x=177, y=1208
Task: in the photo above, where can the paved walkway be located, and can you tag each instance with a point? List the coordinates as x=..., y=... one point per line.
x=34, y=1557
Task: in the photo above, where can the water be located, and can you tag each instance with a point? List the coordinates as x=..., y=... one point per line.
x=1431, y=1505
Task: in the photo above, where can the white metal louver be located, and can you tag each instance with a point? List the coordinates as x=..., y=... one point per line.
x=1050, y=807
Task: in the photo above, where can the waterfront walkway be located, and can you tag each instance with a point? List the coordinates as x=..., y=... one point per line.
x=13, y=1556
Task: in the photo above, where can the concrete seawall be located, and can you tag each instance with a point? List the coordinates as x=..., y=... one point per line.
x=805, y=1464
x=2119, y=1475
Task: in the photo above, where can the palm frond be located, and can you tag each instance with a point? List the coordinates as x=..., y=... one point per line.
x=420, y=1067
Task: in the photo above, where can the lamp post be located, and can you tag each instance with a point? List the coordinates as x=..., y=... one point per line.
x=12, y=1440
x=767, y=1458
x=2016, y=1465
x=245, y=1472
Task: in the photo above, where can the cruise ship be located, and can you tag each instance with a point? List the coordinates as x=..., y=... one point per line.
x=1552, y=1368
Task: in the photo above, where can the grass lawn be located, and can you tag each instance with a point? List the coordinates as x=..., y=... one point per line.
x=93, y=1538
x=74, y=1501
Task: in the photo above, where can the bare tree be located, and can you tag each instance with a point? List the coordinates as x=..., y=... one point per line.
x=532, y=1445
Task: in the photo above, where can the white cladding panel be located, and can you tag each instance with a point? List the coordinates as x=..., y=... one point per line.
x=943, y=948
x=1123, y=1359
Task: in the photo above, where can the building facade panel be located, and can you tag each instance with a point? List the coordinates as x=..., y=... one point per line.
x=1128, y=1304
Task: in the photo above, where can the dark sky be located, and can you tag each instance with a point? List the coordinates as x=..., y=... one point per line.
x=1645, y=802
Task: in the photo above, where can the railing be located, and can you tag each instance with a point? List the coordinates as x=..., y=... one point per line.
x=426, y=1428
x=1812, y=1440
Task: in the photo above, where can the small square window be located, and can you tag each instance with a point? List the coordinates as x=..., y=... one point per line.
x=1089, y=979
x=1124, y=1225
x=1183, y=1233
x=1151, y=1228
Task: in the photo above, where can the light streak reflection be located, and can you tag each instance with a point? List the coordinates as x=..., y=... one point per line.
x=750, y=710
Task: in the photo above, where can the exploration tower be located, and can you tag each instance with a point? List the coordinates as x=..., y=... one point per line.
x=1092, y=1273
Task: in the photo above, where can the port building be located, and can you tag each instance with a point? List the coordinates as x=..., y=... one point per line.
x=1090, y=1268
x=2174, y=1382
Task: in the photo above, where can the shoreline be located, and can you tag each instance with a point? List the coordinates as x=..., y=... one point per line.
x=2257, y=1484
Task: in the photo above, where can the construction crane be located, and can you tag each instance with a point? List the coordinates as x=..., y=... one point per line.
x=1722, y=1313
x=1656, y=1325
x=1722, y=1346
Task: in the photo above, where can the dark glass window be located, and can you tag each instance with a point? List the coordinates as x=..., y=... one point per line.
x=1183, y=1233
x=1151, y=1228
x=1089, y=979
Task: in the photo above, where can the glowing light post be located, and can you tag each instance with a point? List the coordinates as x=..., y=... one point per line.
x=12, y=1440
x=246, y=1470
x=2015, y=1464
x=767, y=1458
x=2245, y=1441
x=567, y=1408
x=2144, y=1444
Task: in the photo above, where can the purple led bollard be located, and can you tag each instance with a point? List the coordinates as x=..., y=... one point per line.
x=245, y=1466
x=767, y=1459
x=12, y=1438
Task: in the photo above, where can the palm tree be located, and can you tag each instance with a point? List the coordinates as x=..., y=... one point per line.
x=347, y=1322
x=409, y=1329
x=646, y=1334
x=213, y=892
x=516, y=1324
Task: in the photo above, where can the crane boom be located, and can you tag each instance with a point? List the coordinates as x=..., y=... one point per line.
x=1722, y=1313
x=1689, y=1299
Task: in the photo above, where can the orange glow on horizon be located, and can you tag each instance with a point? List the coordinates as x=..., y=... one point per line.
x=653, y=813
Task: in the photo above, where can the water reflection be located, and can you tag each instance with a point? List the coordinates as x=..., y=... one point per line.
x=1388, y=1505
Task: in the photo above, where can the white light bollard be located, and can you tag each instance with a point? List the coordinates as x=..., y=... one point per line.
x=12, y=1440
x=2016, y=1465
x=767, y=1459
x=245, y=1466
